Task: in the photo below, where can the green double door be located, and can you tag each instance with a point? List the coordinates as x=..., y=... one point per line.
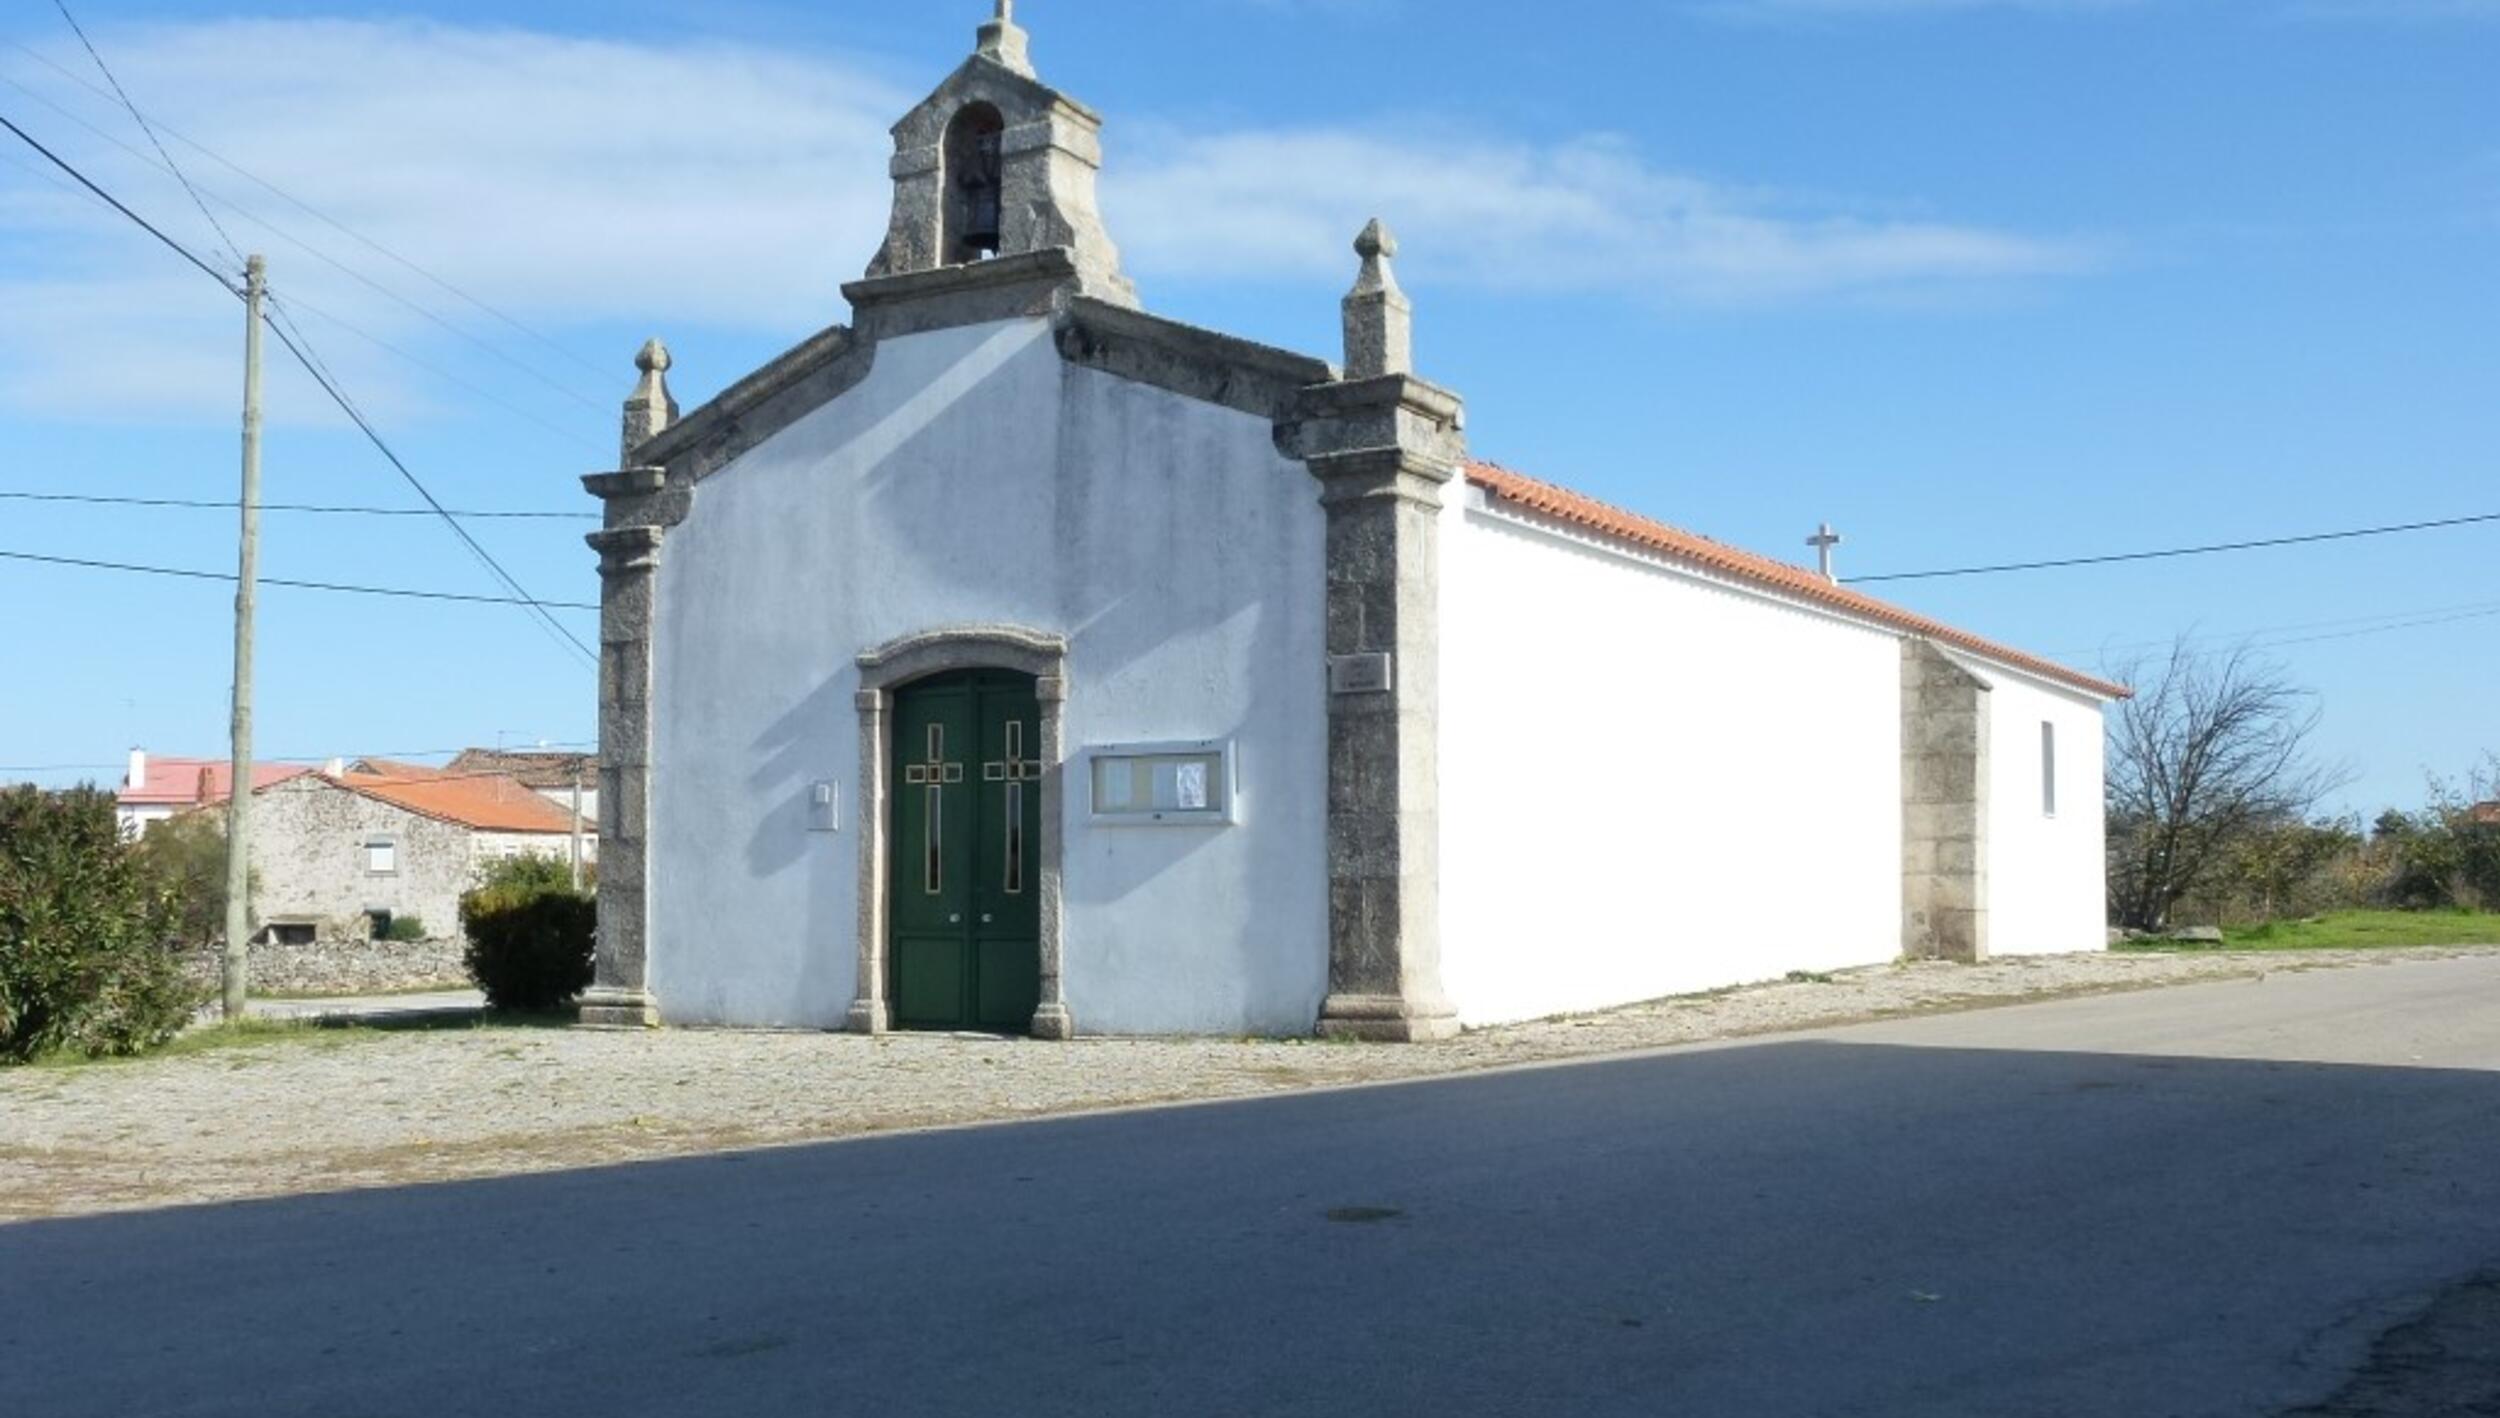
x=967, y=827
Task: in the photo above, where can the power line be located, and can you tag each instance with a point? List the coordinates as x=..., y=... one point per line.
x=2306, y=540
x=361, y=278
x=2466, y=610
x=137, y=568
x=568, y=435
x=211, y=505
x=185, y=252
x=298, y=346
x=141, y=119
x=432, y=775
x=315, y=213
x=2256, y=643
x=313, y=367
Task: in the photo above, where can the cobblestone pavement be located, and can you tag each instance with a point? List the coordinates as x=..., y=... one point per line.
x=334, y=1110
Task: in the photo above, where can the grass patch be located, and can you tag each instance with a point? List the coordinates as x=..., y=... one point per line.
x=2350, y=930
x=440, y=988
x=225, y=1037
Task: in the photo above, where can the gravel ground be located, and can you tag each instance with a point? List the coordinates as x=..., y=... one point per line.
x=334, y=1110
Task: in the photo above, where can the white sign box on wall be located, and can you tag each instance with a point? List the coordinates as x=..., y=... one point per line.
x=1168, y=784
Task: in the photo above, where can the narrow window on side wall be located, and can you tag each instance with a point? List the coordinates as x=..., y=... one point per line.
x=2048, y=769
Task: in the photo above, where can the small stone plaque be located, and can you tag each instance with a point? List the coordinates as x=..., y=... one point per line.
x=1374, y=673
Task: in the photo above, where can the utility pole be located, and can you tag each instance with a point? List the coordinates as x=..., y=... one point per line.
x=247, y=572
x=577, y=825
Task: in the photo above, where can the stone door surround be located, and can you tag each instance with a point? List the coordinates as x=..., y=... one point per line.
x=882, y=671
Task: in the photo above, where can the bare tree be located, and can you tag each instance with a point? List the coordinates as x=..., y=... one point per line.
x=2211, y=751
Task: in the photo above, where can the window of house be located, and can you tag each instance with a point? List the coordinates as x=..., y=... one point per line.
x=2048, y=769
x=381, y=856
x=290, y=933
x=380, y=923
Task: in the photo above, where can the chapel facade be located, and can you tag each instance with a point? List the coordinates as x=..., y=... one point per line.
x=1013, y=659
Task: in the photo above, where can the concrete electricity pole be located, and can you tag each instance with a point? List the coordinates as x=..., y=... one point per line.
x=247, y=572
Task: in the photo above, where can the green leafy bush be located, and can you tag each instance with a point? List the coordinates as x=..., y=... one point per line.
x=405, y=929
x=529, y=935
x=87, y=931
x=187, y=854
x=2442, y=857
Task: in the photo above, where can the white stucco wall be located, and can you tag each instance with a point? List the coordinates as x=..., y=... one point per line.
x=974, y=476
x=2045, y=872
x=1652, y=784
x=489, y=847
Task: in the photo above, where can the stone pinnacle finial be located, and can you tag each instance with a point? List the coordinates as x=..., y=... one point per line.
x=1379, y=323
x=651, y=409
x=1003, y=41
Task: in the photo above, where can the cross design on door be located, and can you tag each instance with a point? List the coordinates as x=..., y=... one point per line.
x=935, y=769
x=1015, y=770
x=934, y=772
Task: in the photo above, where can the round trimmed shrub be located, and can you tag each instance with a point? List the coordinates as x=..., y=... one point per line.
x=528, y=948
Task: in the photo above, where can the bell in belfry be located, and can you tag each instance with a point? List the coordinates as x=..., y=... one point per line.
x=983, y=186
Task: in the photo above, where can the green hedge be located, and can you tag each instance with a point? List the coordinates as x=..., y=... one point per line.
x=529, y=938
x=87, y=960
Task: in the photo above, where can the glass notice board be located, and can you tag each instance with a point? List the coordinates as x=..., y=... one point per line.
x=1167, y=783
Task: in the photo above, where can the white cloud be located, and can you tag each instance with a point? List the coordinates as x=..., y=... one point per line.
x=1849, y=9
x=1584, y=216
x=2383, y=10
x=576, y=181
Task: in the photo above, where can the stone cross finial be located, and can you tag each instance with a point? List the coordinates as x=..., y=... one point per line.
x=1823, y=540
x=1003, y=41
x=1379, y=323
x=652, y=408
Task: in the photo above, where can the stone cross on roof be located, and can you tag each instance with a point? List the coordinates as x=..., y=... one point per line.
x=1003, y=40
x=1823, y=541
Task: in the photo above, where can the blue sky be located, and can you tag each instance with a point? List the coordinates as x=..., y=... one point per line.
x=1977, y=281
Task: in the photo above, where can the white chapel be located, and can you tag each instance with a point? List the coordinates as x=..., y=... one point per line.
x=1013, y=659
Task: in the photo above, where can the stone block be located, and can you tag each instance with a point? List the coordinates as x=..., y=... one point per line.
x=1938, y=821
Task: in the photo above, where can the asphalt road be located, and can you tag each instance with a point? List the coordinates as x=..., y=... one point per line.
x=2236, y=1199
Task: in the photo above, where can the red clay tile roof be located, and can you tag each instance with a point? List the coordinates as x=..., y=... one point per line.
x=1564, y=505
x=487, y=804
x=190, y=782
x=538, y=768
x=392, y=768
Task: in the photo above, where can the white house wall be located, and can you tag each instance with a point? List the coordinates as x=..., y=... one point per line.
x=486, y=848
x=2045, y=885
x=975, y=477
x=1649, y=784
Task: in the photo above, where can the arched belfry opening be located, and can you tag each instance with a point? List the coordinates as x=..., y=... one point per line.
x=976, y=184
x=966, y=196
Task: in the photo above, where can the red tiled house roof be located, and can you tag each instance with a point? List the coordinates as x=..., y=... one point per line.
x=537, y=768
x=483, y=803
x=196, y=782
x=1563, y=505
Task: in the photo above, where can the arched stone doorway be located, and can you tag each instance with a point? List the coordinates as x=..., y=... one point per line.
x=970, y=683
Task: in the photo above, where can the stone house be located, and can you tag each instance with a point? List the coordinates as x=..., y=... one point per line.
x=343, y=856
x=1012, y=658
